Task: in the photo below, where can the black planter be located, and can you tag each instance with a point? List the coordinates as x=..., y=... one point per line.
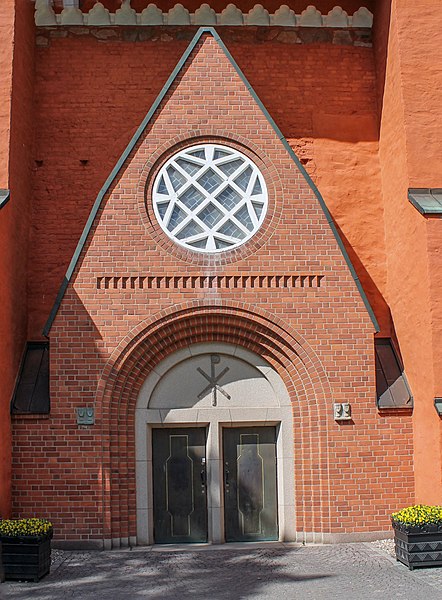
x=2, y=572
x=26, y=557
x=417, y=548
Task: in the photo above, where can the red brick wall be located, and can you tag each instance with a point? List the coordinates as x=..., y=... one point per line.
x=105, y=340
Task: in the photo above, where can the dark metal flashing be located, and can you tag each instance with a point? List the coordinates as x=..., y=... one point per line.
x=438, y=406
x=31, y=393
x=392, y=389
x=5, y=196
x=428, y=201
x=136, y=137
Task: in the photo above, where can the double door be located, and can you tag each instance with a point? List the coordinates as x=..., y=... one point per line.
x=180, y=484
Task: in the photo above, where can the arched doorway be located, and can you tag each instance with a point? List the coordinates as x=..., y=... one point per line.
x=222, y=415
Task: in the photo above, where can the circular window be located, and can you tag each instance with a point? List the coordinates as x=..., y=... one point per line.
x=210, y=198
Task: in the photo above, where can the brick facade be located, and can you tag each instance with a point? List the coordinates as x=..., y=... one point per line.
x=135, y=297
x=91, y=112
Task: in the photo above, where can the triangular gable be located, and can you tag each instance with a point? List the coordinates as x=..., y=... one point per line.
x=98, y=202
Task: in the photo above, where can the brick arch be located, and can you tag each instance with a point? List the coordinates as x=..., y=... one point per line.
x=194, y=322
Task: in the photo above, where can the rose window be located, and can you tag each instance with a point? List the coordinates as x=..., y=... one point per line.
x=210, y=198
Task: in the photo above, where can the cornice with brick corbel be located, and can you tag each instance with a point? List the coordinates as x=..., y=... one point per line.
x=100, y=16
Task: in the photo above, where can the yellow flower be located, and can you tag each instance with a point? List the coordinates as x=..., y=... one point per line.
x=18, y=527
x=420, y=515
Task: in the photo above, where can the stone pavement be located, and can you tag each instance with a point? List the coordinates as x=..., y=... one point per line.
x=360, y=571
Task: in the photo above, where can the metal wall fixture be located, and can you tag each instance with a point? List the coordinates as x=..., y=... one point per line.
x=438, y=406
x=342, y=411
x=85, y=416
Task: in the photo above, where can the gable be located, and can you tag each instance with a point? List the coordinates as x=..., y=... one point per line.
x=216, y=72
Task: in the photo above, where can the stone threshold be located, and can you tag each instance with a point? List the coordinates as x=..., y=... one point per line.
x=302, y=539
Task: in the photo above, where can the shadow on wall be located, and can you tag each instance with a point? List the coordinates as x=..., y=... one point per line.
x=374, y=295
x=318, y=91
x=219, y=574
x=381, y=30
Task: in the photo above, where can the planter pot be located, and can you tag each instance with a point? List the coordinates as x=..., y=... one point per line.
x=418, y=548
x=26, y=557
x=2, y=572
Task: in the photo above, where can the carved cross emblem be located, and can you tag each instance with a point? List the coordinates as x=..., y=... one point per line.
x=213, y=380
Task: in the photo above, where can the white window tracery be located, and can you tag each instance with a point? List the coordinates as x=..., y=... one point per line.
x=210, y=198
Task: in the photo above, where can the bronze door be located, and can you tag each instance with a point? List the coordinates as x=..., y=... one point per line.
x=250, y=496
x=179, y=485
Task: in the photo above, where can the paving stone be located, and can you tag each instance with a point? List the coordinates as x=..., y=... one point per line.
x=345, y=571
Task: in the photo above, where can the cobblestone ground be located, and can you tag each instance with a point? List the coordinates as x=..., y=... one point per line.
x=346, y=572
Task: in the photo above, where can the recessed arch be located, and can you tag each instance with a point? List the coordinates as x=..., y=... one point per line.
x=197, y=322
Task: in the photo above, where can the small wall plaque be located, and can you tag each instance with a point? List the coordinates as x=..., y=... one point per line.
x=85, y=416
x=342, y=411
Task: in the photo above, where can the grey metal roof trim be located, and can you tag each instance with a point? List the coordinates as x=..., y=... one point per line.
x=31, y=392
x=392, y=388
x=428, y=201
x=136, y=137
x=5, y=196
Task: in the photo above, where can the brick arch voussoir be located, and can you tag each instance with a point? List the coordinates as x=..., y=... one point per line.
x=152, y=341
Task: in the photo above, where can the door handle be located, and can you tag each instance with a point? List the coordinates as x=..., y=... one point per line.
x=203, y=475
x=227, y=478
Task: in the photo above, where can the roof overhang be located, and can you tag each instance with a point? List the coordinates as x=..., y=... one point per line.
x=428, y=201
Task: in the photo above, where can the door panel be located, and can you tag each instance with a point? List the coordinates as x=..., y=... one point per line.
x=179, y=485
x=250, y=496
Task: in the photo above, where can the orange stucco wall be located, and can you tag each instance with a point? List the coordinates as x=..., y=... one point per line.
x=6, y=41
x=410, y=150
x=16, y=52
x=323, y=99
